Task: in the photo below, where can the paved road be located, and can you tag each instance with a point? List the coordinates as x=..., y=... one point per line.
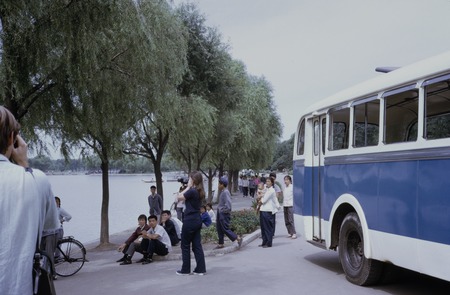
x=289, y=267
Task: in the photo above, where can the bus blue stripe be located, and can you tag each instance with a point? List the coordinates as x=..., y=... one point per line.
x=408, y=198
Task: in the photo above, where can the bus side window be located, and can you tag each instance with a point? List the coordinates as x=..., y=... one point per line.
x=437, y=111
x=301, y=138
x=401, y=113
x=339, y=123
x=365, y=128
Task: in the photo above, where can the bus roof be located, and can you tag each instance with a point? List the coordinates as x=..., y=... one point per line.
x=432, y=66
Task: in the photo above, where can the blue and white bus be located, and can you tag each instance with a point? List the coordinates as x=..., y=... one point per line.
x=372, y=173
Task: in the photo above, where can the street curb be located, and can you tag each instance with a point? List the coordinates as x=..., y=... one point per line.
x=216, y=252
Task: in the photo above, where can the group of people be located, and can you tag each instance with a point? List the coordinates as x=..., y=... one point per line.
x=151, y=238
x=269, y=194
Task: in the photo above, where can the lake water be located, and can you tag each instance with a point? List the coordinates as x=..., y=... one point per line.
x=81, y=196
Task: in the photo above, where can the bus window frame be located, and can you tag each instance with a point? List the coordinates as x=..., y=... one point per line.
x=301, y=138
x=384, y=98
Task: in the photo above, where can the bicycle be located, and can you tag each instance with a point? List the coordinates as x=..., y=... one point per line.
x=72, y=256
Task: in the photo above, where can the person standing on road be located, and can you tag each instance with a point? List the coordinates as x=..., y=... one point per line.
x=155, y=203
x=288, y=207
x=27, y=209
x=193, y=196
x=223, y=217
x=267, y=213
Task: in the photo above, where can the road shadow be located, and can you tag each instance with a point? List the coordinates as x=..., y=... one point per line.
x=396, y=280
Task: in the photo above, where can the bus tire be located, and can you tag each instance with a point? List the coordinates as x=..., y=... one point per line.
x=358, y=269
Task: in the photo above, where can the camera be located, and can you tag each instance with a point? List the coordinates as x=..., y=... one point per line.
x=184, y=180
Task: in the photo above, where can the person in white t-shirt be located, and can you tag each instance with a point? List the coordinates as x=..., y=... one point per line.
x=157, y=238
x=288, y=207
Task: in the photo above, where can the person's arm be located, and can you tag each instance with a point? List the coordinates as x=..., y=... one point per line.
x=65, y=215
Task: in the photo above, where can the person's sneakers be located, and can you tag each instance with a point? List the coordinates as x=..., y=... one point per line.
x=294, y=236
x=239, y=240
x=147, y=261
x=180, y=273
x=143, y=259
x=126, y=261
x=199, y=273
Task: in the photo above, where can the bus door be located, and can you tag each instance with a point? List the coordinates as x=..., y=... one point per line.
x=318, y=150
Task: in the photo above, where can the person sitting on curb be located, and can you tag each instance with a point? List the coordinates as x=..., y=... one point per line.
x=223, y=217
x=133, y=243
x=206, y=219
x=169, y=225
x=210, y=210
x=156, y=239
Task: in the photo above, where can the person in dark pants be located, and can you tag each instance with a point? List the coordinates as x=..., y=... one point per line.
x=223, y=217
x=193, y=196
x=267, y=213
x=156, y=240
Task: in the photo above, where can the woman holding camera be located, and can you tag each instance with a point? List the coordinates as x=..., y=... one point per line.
x=193, y=196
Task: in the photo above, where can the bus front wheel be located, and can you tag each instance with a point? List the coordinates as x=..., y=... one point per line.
x=358, y=269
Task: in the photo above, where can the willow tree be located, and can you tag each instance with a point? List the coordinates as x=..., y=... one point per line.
x=95, y=111
x=149, y=136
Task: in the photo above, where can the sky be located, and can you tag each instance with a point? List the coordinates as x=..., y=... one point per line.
x=310, y=49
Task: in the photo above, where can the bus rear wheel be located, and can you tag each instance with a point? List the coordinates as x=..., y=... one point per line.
x=358, y=269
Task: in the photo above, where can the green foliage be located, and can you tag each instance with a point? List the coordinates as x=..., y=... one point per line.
x=282, y=159
x=242, y=222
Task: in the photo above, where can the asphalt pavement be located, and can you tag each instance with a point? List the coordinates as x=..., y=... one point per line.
x=289, y=267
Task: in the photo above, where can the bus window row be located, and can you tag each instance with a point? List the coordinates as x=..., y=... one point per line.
x=401, y=117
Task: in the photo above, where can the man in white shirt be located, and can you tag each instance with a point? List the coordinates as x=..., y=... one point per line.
x=158, y=240
x=27, y=208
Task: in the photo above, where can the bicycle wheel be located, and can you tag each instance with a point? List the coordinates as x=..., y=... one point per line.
x=71, y=259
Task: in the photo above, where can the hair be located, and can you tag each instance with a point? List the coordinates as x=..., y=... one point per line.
x=209, y=205
x=153, y=216
x=273, y=174
x=263, y=179
x=153, y=187
x=288, y=177
x=197, y=179
x=272, y=180
x=142, y=216
x=8, y=126
x=58, y=199
x=203, y=207
x=166, y=212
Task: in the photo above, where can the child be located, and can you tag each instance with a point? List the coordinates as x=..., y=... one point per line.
x=261, y=191
x=211, y=213
x=206, y=219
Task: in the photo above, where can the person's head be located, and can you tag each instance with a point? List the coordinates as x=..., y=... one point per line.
x=203, y=209
x=153, y=189
x=223, y=183
x=9, y=129
x=142, y=220
x=197, y=181
x=165, y=215
x=273, y=174
x=261, y=185
x=270, y=181
x=262, y=179
x=152, y=221
x=287, y=180
x=209, y=206
x=58, y=201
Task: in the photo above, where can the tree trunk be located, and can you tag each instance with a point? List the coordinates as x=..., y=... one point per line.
x=210, y=188
x=159, y=180
x=104, y=225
